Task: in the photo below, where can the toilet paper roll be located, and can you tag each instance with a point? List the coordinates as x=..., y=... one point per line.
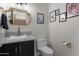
x=67, y=44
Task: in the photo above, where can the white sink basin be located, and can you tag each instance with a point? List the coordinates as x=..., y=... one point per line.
x=18, y=37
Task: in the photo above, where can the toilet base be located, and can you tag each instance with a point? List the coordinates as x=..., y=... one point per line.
x=44, y=54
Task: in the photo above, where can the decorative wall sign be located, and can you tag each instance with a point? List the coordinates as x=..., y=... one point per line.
x=53, y=16
x=72, y=9
x=62, y=17
x=40, y=18
x=57, y=12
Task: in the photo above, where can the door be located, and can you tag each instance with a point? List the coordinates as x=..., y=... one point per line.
x=4, y=50
x=7, y=49
x=12, y=49
x=27, y=48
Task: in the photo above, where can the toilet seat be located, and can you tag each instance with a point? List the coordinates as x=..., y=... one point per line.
x=46, y=50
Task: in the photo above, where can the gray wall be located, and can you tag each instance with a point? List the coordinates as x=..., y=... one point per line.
x=66, y=31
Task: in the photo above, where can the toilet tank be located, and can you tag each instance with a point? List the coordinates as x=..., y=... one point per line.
x=41, y=42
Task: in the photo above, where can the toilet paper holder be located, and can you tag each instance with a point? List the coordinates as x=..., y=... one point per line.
x=67, y=44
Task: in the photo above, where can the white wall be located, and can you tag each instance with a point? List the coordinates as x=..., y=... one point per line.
x=39, y=30
x=66, y=31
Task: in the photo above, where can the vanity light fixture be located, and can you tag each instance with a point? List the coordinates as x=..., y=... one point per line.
x=21, y=4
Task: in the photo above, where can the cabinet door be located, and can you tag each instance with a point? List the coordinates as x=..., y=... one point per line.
x=27, y=48
x=15, y=49
x=4, y=50
x=12, y=49
x=8, y=49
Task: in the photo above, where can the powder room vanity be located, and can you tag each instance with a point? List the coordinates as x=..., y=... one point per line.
x=22, y=47
x=17, y=45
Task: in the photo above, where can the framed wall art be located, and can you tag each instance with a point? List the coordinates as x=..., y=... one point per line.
x=72, y=9
x=40, y=18
x=53, y=16
x=62, y=17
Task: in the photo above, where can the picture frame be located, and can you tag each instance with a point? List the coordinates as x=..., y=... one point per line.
x=57, y=12
x=53, y=16
x=72, y=10
x=40, y=18
x=62, y=17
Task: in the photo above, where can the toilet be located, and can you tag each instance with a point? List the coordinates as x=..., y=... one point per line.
x=43, y=49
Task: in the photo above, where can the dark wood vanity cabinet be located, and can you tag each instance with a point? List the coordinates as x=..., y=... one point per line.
x=25, y=48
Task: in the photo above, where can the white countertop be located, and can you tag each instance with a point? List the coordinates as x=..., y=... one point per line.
x=7, y=40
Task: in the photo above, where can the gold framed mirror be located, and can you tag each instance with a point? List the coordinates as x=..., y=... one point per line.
x=19, y=17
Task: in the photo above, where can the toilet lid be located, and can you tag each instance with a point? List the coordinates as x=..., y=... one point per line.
x=46, y=50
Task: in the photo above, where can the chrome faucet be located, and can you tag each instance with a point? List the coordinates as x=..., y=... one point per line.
x=18, y=33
